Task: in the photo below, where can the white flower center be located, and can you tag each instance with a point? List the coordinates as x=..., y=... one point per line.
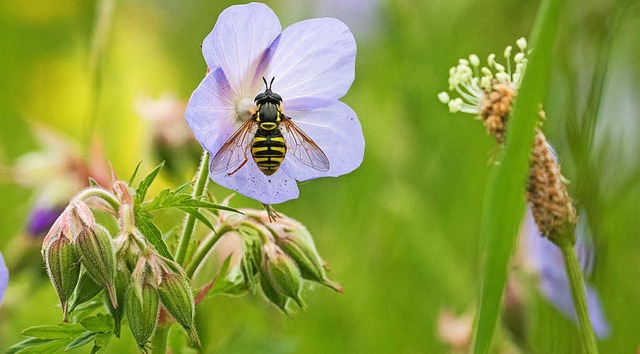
x=244, y=109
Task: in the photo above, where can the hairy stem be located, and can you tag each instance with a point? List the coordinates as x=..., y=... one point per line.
x=202, y=176
x=99, y=193
x=204, y=250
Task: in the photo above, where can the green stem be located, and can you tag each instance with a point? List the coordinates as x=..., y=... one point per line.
x=576, y=282
x=159, y=340
x=204, y=250
x=202, y=176
x=99, y=193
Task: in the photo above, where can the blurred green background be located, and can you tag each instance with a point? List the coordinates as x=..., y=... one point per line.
x=401, y=233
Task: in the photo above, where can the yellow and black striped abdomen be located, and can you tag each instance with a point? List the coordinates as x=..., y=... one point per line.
x=268, y=150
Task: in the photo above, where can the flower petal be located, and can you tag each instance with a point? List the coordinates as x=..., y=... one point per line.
x=337, y=131
x=313, y=62
x=210, y=112
x=240, y=36
x=251, y=182
x=4, y=277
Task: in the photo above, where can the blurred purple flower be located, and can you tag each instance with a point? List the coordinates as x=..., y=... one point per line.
x=546, y=260
x=4, y=277
x=41, y=218
x=313, y=63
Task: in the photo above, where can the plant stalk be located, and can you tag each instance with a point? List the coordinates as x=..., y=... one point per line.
x=576, y=283
x=202, y=177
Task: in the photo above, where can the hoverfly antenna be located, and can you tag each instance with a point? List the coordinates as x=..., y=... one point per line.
x=268, y=86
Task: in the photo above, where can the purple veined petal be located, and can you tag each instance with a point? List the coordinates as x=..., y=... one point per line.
x=4, y=277
x=337, y=131
x=211, y=112
x=313, y=63
x=240, y=36
x=251, y=182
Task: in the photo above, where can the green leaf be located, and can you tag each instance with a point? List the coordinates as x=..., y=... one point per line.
x=134, y=174
x=504, y=202
x=178, y=342
x=198, y=215
x=27, y=343
x=81, y=340
x=141, y=192
x=178, y=199
x=102, y=339
x=98, y=323
x=63, y=330
x=152, y=233
x=39, y=346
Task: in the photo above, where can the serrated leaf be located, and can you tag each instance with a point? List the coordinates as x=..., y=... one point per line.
x=504, y=203
x=98, y=323
x=141, y=192
x=102, y=339
x=173, y=199
x=63, y=330
x=134, y=174
x=80, y=340
x=152, y=233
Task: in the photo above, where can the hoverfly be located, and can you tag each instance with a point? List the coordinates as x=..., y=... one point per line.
x=268, y=134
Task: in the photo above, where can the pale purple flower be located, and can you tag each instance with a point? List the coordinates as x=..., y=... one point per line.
x=4, y=277
x=546, y=260
x=313, y=63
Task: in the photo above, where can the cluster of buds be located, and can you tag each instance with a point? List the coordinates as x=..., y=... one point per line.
x=83, y=260
x=490, y=97
x=281, y=254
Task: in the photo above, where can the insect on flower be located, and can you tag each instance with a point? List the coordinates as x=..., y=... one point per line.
x=273, y=94
x=269, y=144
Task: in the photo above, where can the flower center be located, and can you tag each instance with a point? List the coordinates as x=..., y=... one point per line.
x=244, y=109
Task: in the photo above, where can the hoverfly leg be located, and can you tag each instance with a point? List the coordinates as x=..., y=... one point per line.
x=239, y=167
x=271, y=212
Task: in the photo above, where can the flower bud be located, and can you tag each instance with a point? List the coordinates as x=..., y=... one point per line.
x=273, y=295
x=177, y=297
x=142, y=313
x=281, y=273
x=98, y=257
x=298, y=244
x=86, y=290
x=63, y=267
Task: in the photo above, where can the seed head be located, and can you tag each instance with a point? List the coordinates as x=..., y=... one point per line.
x=547, y=194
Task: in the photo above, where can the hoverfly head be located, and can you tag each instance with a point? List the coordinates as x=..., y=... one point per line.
x=268, y=96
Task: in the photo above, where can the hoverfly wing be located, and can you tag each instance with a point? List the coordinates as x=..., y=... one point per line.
x=233, y=154
x=302, y=146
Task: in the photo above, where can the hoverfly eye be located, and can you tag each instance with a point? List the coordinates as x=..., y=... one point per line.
x=277, y=97
x=259, y=97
